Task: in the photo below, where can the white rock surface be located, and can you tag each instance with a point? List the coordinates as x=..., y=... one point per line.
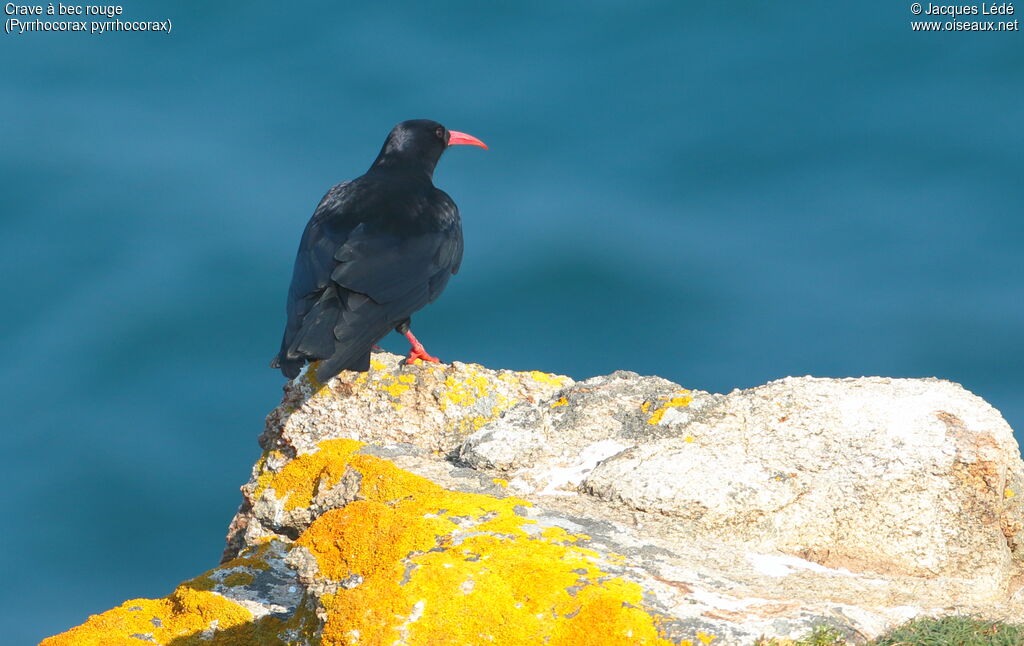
x=891, y=476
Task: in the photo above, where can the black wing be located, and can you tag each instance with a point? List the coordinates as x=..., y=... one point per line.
x=357, y=277
x=312, y=270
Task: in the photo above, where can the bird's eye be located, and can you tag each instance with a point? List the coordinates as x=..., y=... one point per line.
x=439, y=132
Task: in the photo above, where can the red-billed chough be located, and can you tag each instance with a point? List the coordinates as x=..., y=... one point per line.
x=377, y=249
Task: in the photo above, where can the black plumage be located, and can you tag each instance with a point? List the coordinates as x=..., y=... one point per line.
x=377, y=249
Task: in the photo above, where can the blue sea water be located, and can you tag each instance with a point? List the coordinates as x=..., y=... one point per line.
x=718, y=193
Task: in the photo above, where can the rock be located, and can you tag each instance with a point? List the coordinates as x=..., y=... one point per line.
x=893, y=476
x=459, y=505
x=427, y=406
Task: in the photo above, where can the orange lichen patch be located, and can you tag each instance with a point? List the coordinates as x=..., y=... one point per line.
x=339, y=536
x=486, y=589
x=182, y=615
x=490, y=589
x=562, y=401
x=444, y=567
x=384, y=482
x=677, y=401
x=300, y=478
x=606, y=619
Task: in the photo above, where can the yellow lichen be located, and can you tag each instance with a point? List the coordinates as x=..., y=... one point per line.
x=1008, y=493
x=377, y=365
x=464, y=392
x=547, y=378
x=263, y=473
x=393, y=385
x=300, y=478
x=416, y=545
x=677, y=401
x=562, y=401
x=469, y=390
x=501, y=482
x=395, y=390
x=559, y=535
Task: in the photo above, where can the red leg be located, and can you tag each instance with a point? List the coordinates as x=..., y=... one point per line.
x=417, y=351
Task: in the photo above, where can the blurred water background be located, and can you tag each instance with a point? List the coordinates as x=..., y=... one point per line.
x=718, y=193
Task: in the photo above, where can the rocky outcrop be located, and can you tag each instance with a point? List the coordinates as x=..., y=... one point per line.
x=454, y=504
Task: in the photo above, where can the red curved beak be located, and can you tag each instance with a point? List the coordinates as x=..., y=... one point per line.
x=462, y=138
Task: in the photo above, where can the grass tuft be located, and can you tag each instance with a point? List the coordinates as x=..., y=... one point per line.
x=953, y=631
x=821, y=635
x=947, y=631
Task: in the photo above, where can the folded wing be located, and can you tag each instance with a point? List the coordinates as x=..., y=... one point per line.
x=355, y=279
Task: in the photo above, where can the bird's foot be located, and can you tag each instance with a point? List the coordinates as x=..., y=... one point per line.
x=418, y=351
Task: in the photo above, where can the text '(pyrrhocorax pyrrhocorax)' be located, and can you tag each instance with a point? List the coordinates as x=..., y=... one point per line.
x=377, y=249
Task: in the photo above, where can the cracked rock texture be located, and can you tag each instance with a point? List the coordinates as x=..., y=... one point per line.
x=436, y=504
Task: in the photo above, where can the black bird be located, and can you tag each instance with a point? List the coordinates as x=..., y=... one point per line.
x=377, y=249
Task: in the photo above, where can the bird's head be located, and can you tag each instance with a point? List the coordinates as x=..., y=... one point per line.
x=418, y=144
